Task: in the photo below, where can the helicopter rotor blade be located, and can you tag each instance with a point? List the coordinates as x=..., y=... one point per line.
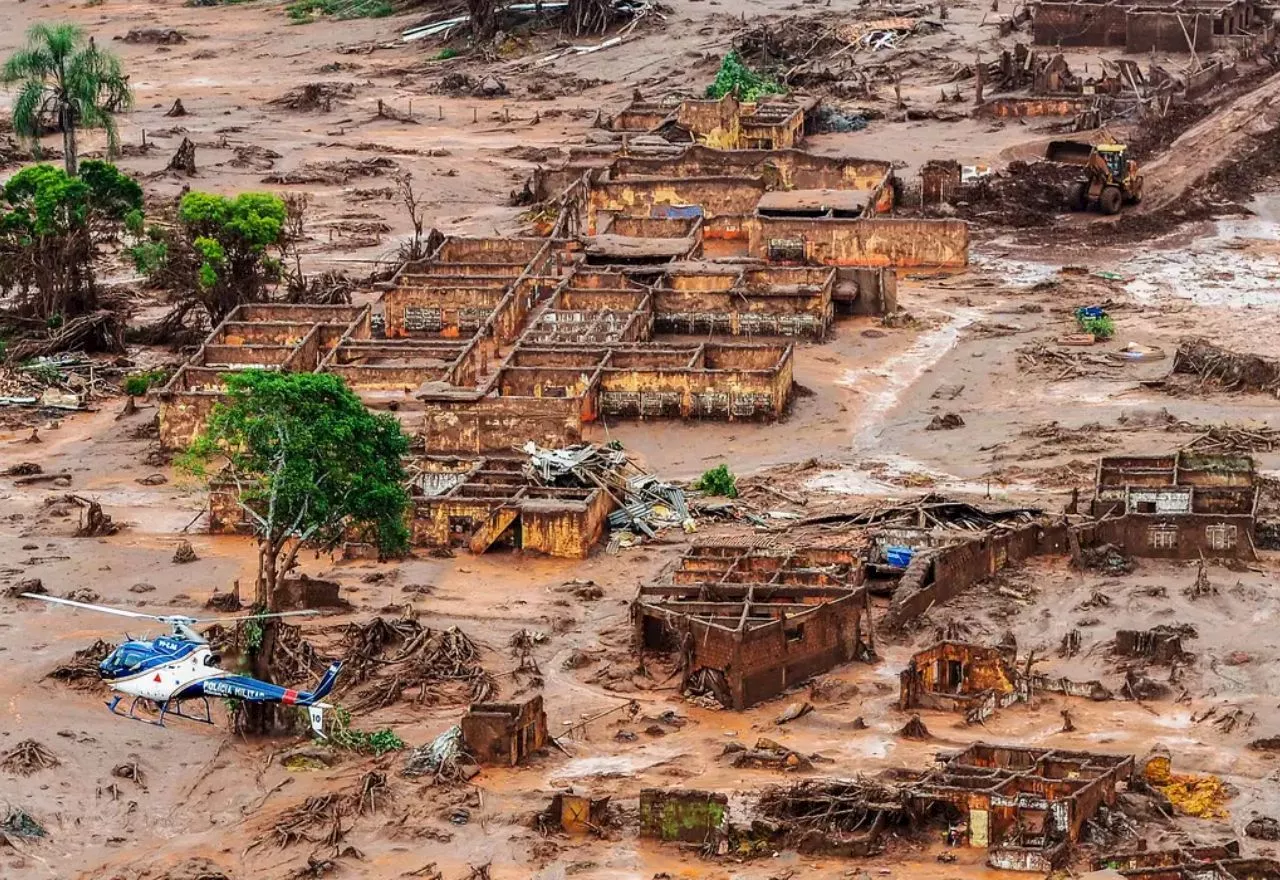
x=119, y=612
x=255, y=616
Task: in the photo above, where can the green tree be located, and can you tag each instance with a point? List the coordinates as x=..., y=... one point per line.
x=237, y=243
x=51, y=225
x=310, y=463
x=311, y=466
x=65, y=80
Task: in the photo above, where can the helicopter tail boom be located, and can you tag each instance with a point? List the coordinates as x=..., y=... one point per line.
x=323, y=687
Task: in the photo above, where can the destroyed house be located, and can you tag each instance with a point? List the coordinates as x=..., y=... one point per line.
x=504, y=733
x=954, y=676
x=494, y=342
x=1025, y=805
x=929, y=523
x=781, y=206
x=1193, y=26
x=260, y=336
x=1220, y=861
x=749, y=620
x=769, y=124
x=1180, y=506
x=978, y=680
x=477, y=503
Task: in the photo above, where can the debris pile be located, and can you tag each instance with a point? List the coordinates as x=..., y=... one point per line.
x=445, y=758
x=314, y=96
x=578, y=17
x=27, y=757
x=94, y=523
x=1107, y=559
x=646, y=505
x=323, y=819
x=19, y=823
x=56, y=382
x=102, y=330
x=337, y=172
x=386, y=658
x=1229, y=439
x=1024, y=195
x=1225, y=369
x=832, y=814
x=946, y=422
x=1064, y=363
x=82, y=670
x=770, y=754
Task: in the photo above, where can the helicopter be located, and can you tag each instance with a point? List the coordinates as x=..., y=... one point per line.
x=171, y=670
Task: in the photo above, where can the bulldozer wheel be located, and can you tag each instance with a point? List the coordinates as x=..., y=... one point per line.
x=1110, y=200
x=1076, y=197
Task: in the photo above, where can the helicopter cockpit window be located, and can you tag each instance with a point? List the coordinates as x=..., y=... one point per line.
x=125, y=658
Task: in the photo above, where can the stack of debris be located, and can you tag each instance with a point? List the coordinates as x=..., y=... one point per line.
x=646, y=505
x=831, y=815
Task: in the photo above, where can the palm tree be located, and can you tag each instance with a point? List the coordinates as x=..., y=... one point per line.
x=62, y=78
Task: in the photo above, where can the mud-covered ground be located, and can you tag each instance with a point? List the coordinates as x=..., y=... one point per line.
x=980, y=344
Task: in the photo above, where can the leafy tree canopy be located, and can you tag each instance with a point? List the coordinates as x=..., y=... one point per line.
x=311, y=459
x=230, y=237
x=43, y=200
x=735, y=75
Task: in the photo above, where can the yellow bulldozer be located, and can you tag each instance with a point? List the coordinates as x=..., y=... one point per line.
x=1110, y=180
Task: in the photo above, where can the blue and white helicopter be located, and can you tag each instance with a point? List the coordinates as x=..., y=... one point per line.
x=173, y=669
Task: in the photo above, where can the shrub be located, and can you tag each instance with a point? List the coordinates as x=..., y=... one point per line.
x=718, y=481
x=138, y=384
x=734, y=75
x=1096, y=321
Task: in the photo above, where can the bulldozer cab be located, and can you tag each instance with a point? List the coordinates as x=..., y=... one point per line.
x=1114, y=156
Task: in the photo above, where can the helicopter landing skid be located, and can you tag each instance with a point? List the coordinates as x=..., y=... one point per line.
x=165, y=709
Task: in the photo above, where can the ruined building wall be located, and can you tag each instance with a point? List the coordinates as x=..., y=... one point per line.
x=775, y=657
x=880, y=241
x=937, y=576
x=182, y=417
x=494, y=424
x=706, y=196
x=1164, y=31
x=565, y=530
x=1079, y=24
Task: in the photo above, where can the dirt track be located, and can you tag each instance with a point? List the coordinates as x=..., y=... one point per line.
x=1219, y=140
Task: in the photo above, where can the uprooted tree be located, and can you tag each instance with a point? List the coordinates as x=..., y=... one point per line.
x=51, y=228
x=311, y=466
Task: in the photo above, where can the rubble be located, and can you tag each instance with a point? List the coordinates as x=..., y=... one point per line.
x=771, y=755
x=1231, y=371
x=1263, y=828
x=645, y=504
x=388, y=659
x=318, y=96
x=28, y=757
x=82, y=670
x=19, y=823
x=336, y=172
